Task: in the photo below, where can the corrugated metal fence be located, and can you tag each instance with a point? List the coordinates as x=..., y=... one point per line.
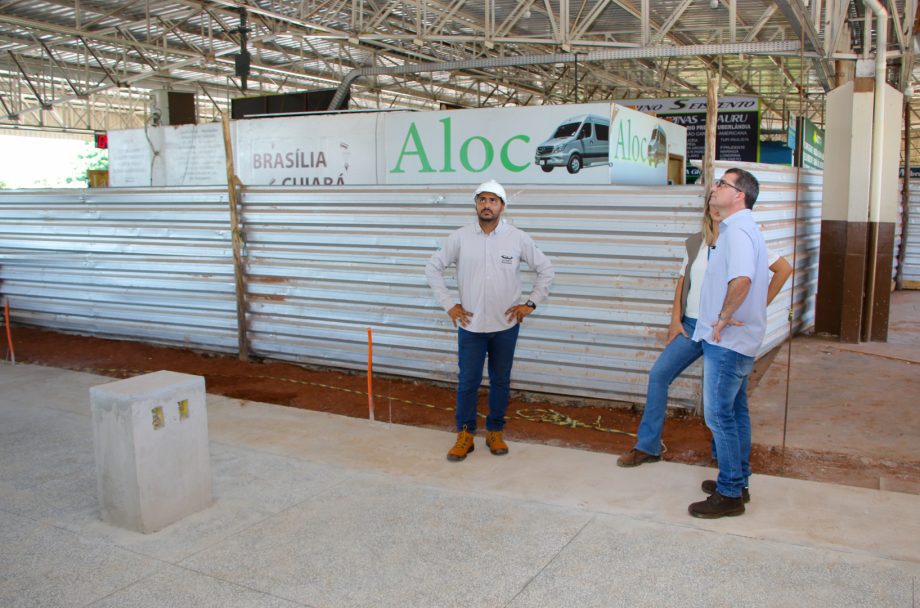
x=324, y=265
x=911, y=273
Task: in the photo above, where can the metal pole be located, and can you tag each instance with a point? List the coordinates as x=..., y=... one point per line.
x=875, y=175
x=905, y=208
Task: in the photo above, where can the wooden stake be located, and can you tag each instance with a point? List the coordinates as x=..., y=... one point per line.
x=9, y=336
x=370, y=373
x=712, y=118
x=237, y=240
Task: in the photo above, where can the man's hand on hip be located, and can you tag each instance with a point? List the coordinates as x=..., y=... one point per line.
x=738, y=289
x=722, y=324
x=458, y=313
x=517, y=313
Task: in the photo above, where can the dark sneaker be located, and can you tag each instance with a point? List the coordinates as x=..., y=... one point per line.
x=495, y=443
x=463, y=446
x=634, y=458
x=717, y=506
x=709, y=487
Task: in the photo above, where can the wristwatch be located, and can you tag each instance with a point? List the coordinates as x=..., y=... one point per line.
x=531, y=304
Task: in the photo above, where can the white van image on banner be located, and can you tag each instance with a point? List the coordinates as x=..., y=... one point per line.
x=580, y=141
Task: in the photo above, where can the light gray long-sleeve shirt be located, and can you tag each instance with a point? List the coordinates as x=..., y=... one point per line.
x=488, y=273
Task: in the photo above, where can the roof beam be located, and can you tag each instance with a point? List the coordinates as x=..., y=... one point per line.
x=589, y=20
x=43, y=105
x=672, y=20
x=801, y=24
x=755, y=29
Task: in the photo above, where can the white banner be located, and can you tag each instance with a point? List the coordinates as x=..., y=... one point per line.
x=131, y=157
x=571, y=144
x=328, y=150
x=194, y=155
x=641, y=146
x=471, y=146
x=186, y=155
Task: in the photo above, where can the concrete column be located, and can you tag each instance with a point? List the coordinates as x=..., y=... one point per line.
x=883, y=227
x=846, y=225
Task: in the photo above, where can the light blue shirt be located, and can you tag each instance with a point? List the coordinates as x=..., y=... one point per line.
x=488, y=273
x=740, y=252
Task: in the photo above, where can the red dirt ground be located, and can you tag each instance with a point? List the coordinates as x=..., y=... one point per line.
x=426, y=404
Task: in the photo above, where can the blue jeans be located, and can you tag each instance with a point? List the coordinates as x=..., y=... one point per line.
x=742, y=396
x=674, y=359
x=473, y=348
x=725, y=409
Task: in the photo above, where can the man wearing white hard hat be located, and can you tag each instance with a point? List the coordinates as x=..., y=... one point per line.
x=488, y=255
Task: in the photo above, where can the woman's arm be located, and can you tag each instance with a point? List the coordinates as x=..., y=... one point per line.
x=677, y=326
x=782, y=270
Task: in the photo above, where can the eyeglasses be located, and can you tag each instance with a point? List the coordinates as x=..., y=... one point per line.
x=721, y=182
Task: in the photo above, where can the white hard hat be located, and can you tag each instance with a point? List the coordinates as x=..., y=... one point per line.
x=494, y=187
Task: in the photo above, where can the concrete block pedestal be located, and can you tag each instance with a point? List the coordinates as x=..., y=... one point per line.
x=151, y=446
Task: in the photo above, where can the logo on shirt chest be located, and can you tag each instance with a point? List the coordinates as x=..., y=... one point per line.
x=507, y=259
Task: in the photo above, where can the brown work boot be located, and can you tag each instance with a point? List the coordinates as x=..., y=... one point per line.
x=463, y=446
x=709, y=486
x=495, y=443
x=634, y=458
x=717, y=506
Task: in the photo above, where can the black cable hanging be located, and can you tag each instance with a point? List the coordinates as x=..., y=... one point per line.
x=243, y=60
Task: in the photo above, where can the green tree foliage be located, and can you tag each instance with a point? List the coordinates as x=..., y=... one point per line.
x=94, y=159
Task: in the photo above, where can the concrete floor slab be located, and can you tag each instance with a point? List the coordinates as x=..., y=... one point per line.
x=618, y=561
x=46, y=466
x=786, y=510
x=173, y=586
x=45, y=566
x=26, y=374
x=48, y=473
x=248, y=489
x=400, y=545
x=319, y=510
x=37, y=385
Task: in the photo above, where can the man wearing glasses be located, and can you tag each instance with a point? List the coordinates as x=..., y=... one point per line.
x=731, y=326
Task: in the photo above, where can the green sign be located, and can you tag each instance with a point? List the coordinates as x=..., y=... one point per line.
x=810, y=152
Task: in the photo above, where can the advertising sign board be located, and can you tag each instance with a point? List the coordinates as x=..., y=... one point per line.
x=599, y=143
x=506, y=144
x=640, y=145
x=810, y=151
x=737, y=132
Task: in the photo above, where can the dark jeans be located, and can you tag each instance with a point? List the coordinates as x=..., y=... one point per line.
x=473, y=348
